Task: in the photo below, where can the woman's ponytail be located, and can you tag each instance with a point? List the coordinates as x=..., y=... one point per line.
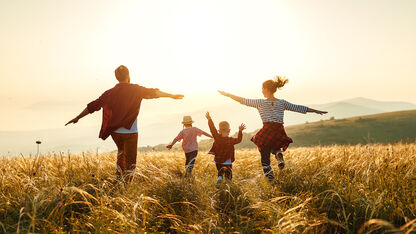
x=277, y=83
x=280, y=81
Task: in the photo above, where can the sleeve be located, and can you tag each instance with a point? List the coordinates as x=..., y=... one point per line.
x=213, y=130
x=292, y=107
x=147, y=93
x=198, y=132
x=179, y=137
x=239, y=138
x=96, y=104
x=251, y=102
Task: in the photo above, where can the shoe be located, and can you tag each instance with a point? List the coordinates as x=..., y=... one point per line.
x=280, y=161
x=219, y=179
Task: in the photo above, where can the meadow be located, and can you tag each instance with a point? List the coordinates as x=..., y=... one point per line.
x=332, y=189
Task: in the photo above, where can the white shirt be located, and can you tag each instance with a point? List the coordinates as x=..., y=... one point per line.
x=228, y=162
x=273, y=111
x=133, y=129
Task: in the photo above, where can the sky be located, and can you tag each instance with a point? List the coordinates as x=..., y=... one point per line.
x=56, y=56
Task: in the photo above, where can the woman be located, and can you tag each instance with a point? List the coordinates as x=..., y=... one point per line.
x=272, y=137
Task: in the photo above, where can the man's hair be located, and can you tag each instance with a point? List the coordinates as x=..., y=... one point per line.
x=122, y=73
x=224, y=126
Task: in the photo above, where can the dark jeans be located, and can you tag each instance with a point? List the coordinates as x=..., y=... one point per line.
x=226, y=171
x=265, y=163
x=127, y=153
x=190, y=161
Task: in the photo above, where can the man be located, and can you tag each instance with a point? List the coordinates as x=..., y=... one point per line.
x=121, y=106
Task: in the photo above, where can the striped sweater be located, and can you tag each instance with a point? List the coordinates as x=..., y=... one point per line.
x=273, y=111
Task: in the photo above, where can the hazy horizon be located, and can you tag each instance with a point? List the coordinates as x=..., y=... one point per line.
x=161, y=130
x=58, y=56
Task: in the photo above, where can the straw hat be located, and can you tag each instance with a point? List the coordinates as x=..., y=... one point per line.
x=187, y=120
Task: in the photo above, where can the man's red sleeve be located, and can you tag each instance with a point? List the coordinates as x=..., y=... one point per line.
x=147, y=93
x=96, y=104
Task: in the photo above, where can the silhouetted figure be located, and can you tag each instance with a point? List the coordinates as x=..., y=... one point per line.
x=272, y=137
x=121, y=106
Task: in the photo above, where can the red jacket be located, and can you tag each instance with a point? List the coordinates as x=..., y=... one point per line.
x=121, y=106
x=223, y=147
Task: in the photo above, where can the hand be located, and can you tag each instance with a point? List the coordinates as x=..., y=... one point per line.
x=177, y=96
x=208, y=116
x=169, y=146
x=223, y=93
x=74, y=121
x=242, y=127
x=321, y=112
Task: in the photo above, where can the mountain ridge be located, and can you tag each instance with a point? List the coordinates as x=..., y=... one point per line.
x=166, y=127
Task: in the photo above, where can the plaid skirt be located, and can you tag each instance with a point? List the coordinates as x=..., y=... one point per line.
x=272, y=136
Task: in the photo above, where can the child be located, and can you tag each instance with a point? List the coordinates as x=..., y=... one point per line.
x=223, y=147
x=189, y=143
x=272, y=137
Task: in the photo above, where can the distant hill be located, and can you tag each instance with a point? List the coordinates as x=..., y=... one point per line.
x=236, y=113
x=165, y=127
x=379, y=128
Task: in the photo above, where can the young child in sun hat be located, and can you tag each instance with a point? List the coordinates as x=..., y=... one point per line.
x=272, y=137
x=189, y=136
x=223, y=147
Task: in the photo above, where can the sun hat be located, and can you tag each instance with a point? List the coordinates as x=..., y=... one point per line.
x=187, y=120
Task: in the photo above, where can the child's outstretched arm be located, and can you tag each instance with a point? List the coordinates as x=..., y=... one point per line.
x=240, y=134
x=171, y=144
x=211, y=125
x=235, y=98
x=177, y=138
x=206, y=134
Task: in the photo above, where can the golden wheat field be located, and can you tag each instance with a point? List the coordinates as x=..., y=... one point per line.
x=346, y=189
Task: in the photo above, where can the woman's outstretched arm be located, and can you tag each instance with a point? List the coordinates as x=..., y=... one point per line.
x=316, y=111
x=235, y=98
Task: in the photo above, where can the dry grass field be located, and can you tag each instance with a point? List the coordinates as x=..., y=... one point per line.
x=335, y=189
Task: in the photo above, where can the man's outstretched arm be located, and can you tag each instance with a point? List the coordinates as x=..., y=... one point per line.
x=163, y=94
x=82, y=114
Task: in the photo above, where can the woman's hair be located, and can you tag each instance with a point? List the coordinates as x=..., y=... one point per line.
x=277, y=83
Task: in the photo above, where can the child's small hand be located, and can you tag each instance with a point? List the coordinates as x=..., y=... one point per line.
x=242, y=127
x=208, y=116
x=169, y=147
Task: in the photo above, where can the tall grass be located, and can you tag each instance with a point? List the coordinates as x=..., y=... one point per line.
x=347, y=189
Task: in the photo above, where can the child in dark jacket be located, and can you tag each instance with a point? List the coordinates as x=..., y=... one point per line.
x=223, y=147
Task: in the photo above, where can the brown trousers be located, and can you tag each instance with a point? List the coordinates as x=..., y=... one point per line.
x=127, y=153
x=226, y=171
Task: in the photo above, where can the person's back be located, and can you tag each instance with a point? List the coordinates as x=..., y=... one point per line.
x=121, y=106
x=188, y=136
x=223, y=147
x=272, y=138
